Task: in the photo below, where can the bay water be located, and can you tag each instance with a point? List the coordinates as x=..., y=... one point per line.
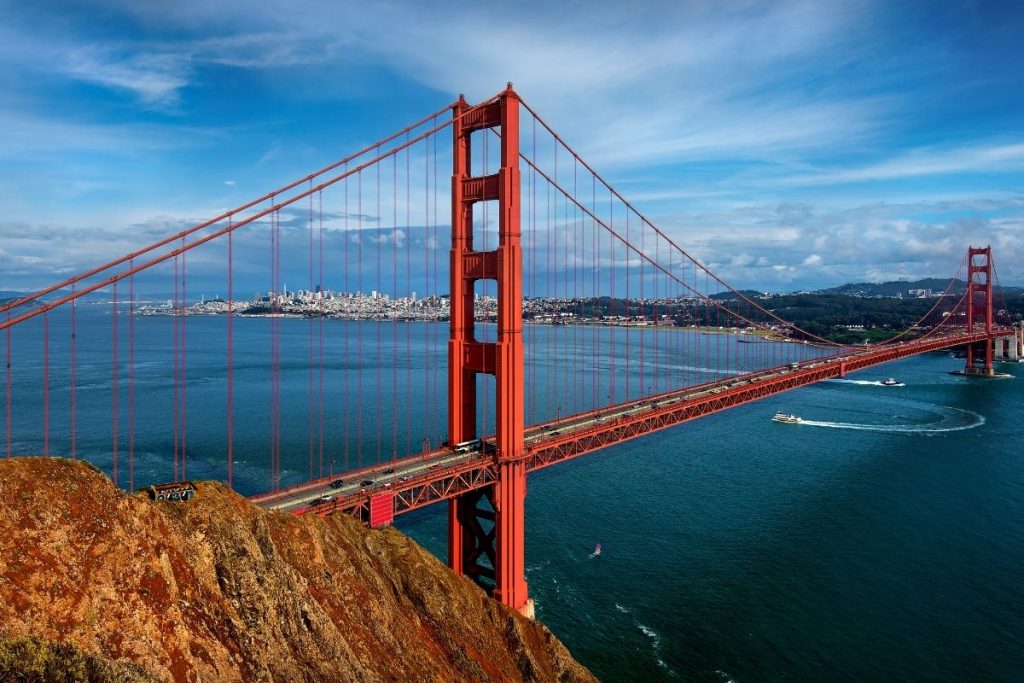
x=882, y=539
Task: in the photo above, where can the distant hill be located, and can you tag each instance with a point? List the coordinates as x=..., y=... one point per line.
x=729, y=296
x=903, y=288
x=9, y=295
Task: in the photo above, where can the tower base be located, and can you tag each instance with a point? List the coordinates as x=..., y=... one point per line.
x=980, y=373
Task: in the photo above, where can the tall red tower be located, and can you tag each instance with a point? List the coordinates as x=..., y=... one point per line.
x=486, y=527
x=979, y=307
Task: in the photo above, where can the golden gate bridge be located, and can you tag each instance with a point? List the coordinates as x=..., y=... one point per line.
x=488, y=402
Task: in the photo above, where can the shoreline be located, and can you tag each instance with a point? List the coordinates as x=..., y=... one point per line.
x=761, y=335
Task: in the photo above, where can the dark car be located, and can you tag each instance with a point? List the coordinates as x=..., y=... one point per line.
x=390, y=470
x=366, y=482
x=337, y=484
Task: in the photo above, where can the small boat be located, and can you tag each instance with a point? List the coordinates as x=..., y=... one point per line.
x=597, y=549
x=787, y=418
x=890, y=383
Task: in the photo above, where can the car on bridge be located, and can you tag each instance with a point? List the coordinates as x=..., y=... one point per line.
x=366, y=482
x=337, y=484
x=466, y=446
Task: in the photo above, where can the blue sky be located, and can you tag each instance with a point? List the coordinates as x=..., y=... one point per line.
x=787, y=144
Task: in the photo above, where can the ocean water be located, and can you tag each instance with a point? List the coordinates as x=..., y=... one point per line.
x=880, y=540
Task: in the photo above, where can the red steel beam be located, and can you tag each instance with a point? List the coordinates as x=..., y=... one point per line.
x=450, y=482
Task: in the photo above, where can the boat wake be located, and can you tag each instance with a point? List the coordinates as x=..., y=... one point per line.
x=655, y=644
x=652, y=635
x=976, y=420
x=866, y=383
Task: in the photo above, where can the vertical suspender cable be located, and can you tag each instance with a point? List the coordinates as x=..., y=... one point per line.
x=532, y=414
x=276, y=327
x=626, y=360
x=379, y=400
x=429, y=331
x=643, y=311
x=556, y=336
x=114, y=397
x=231, y=356
x=184, y=365
x=549, y=380
x=611, y=277
x=408, y=293
x=484, y=216
x=347, y=333
x=576, y=390
x=395, y=299
x=74, y=343
x=568, y=231
x=7, y=392
x=437, y=337
x=359, y=336
x=596, y=336
x=131, y=378
x=312, y=292
x=320, y=328
x=46, y=382
x=273, y=294
x=175, y=313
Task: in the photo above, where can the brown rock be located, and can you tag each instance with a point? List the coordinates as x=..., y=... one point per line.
x=217, y=589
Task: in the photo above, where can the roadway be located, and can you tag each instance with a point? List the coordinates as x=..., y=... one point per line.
x=422, y=479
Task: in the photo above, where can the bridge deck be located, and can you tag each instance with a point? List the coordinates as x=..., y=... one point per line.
x=442, y=474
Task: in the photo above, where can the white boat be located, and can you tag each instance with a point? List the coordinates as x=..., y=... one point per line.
x=890, y=383
x=787, y=418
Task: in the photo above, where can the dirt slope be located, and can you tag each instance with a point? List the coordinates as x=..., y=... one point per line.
x=219, y=590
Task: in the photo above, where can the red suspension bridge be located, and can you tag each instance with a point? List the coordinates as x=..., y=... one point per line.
x=573, y=323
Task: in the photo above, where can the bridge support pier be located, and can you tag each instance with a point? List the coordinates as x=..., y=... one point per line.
x=979, y=309
x=1010, y=347
x=486, y=527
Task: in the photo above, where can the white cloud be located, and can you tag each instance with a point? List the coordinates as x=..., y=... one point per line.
x=1001, y=158
x=633, y=86
x=155, y=78
x=871, y=241
x=664, y=81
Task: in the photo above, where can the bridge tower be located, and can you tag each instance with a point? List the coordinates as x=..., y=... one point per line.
x=486, y=527
x=979, y=308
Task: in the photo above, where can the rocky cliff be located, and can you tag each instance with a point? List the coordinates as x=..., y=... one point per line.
x=217, y=589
